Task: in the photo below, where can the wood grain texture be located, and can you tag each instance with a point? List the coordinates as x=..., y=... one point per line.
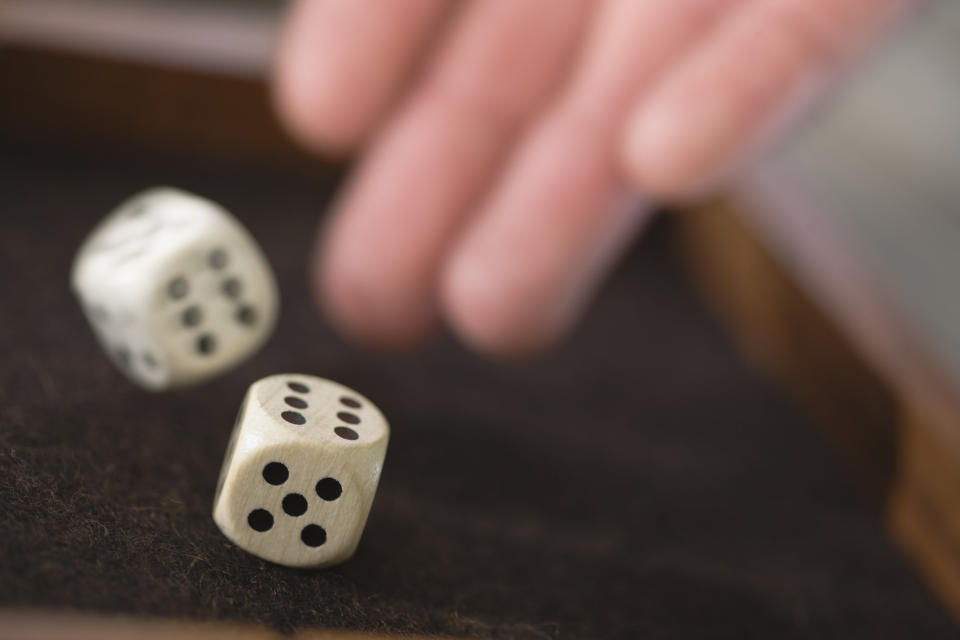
x=301, y=471
x=45, y=625
x=924, y=510
x=63, y=98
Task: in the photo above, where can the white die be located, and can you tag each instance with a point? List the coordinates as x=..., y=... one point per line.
x=301, y=471
x=175, y=288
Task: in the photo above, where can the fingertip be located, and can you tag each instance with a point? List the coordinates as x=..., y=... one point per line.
x=312, y=111
x=658, y=159
x=361, y=306
x=340, y=66
x=483, y=317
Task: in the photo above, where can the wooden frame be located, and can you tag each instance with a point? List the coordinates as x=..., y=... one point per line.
x=897, y=419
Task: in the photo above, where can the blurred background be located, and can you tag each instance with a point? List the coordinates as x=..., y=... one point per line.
x=178, y=76
x=785, y=459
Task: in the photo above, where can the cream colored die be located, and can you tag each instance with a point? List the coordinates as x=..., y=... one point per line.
x=175, y=288
x=301, y=471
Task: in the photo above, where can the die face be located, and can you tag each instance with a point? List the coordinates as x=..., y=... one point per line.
x=141, y=233
x=292, y=505
x=175, y=282
x=214, y=304
x=299, y=494
x=321, y=409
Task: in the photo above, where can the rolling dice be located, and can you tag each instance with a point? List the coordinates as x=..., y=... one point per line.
x=175, y=288
x=300, y=471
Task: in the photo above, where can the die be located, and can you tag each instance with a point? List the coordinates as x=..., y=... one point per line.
x=175, y=288
x=300, y=471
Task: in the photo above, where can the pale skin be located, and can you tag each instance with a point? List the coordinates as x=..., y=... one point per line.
x=511, y=148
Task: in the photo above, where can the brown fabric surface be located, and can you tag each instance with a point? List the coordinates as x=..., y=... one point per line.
x=639, y=482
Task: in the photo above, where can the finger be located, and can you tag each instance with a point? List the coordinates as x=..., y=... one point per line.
x=340, y=65
x=751, y=78
x=495, y=68
x=531, y=257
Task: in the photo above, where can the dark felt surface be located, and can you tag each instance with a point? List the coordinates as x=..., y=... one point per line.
x=639, y=482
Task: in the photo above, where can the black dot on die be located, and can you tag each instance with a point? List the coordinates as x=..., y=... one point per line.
x=260, y=520
x=329, y=489
x=294, y=504
x=346, y=433
x=149, y=361
x=178, y=288
x=350, y=402
x=298, y=387
x=295, y=402
x=276, y=473
x=348, y=417
x=293, y=417
x=313, y=535
x=231, y=288
x=206, y=344
x=217, y=259
x=247, y=316
x=191, y=316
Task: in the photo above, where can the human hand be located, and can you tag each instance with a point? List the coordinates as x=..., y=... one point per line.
x=506, y=140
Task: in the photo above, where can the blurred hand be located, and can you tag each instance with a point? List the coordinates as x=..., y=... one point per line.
x=506, y=140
